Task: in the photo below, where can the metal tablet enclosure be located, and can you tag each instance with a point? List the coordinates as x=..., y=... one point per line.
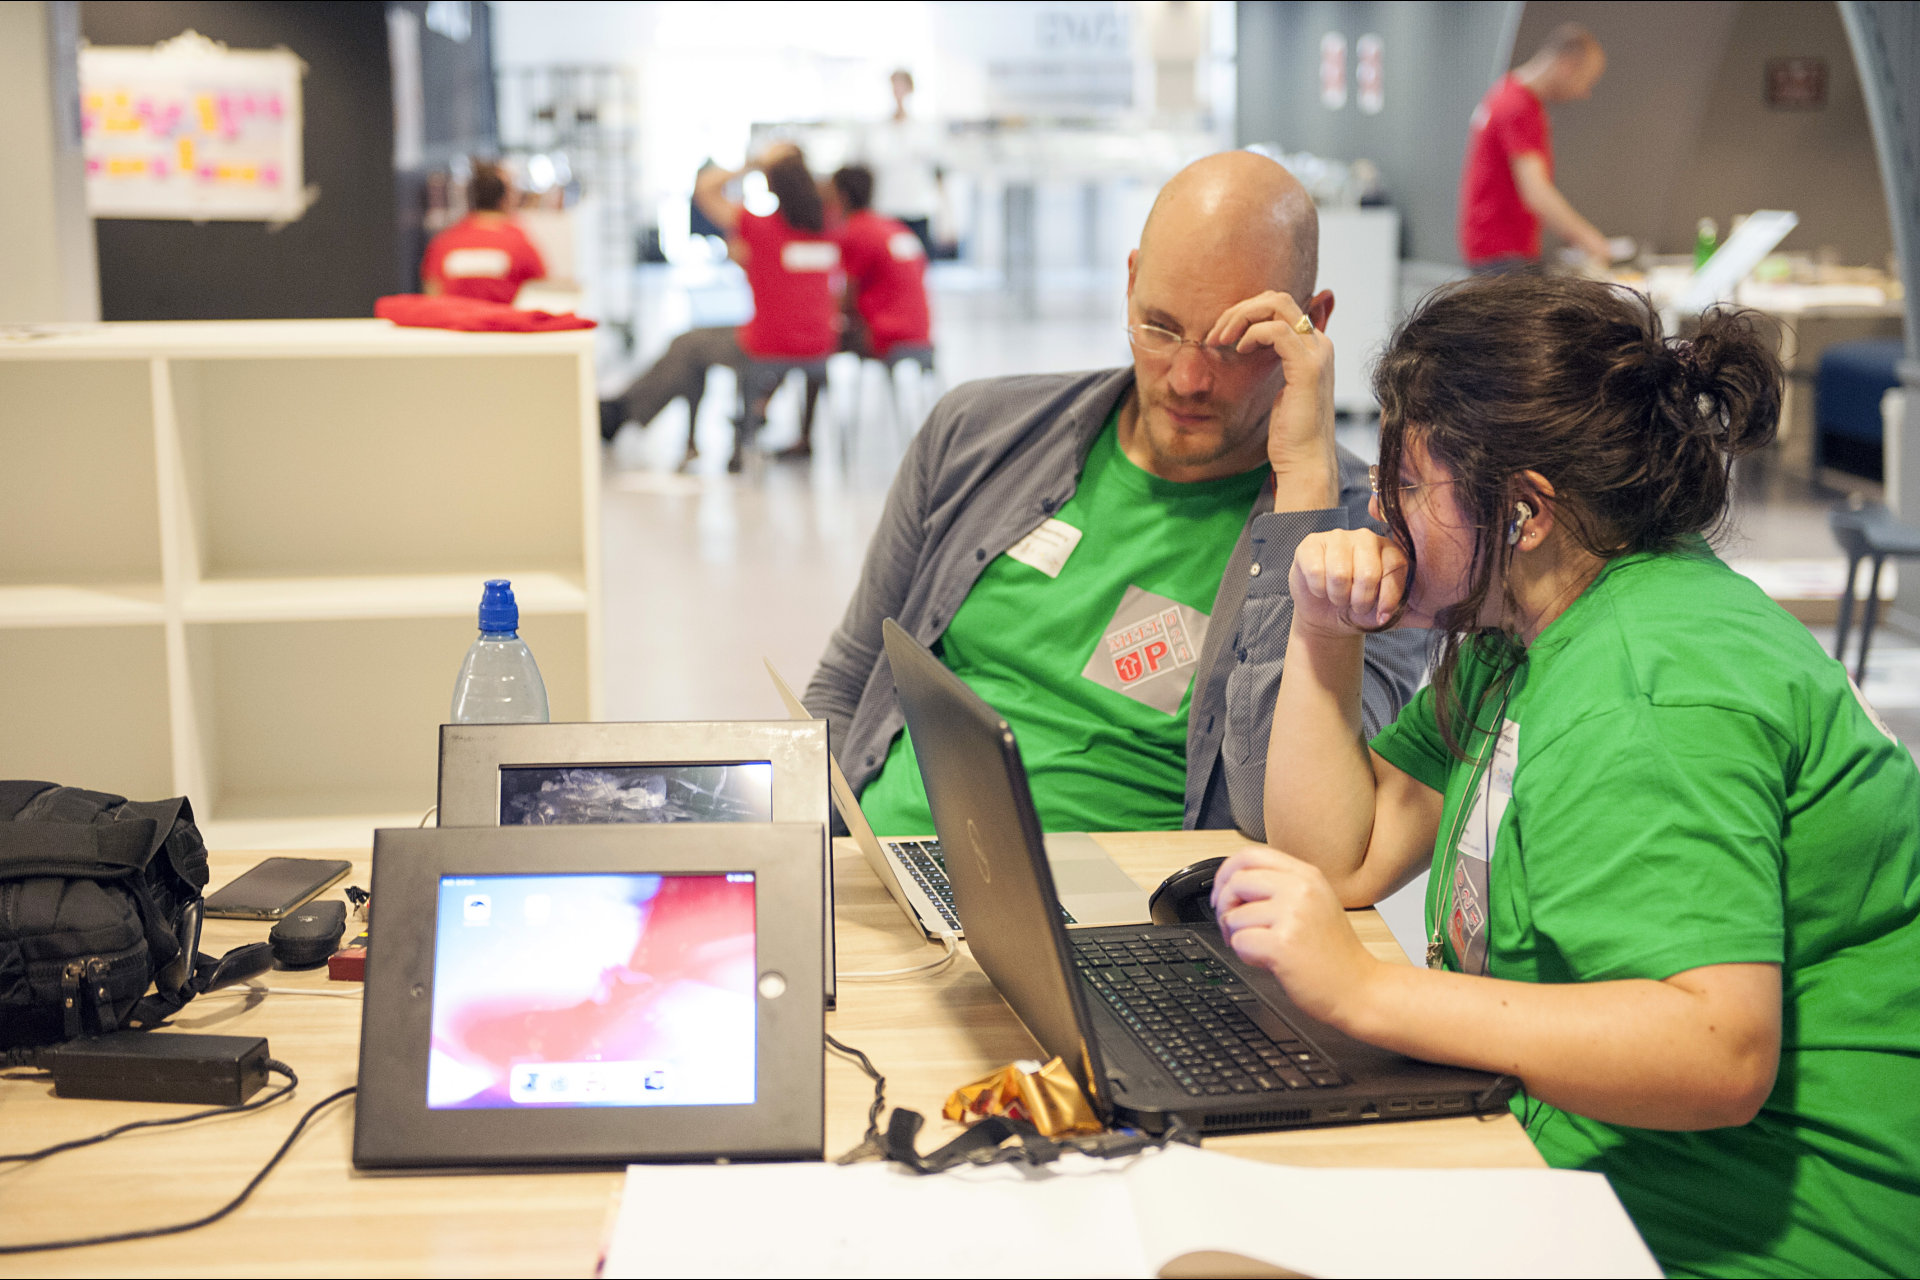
x=472, y=756
x=395, y=1129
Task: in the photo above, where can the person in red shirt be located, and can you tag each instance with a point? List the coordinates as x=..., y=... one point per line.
x=1506, y=186
x=485, y=255
x=886, y=271
x=790, y=262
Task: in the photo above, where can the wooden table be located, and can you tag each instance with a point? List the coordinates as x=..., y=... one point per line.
x=315, y=1216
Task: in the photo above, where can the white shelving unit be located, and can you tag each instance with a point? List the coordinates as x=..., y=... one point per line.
x=239, y=560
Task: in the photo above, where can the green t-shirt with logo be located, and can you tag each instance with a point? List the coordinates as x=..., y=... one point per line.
x=1092, y=664
x=1683, y=778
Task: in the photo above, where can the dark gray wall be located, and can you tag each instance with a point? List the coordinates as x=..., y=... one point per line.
x=336, y=259
x=1438, y=58
x=1678, y=129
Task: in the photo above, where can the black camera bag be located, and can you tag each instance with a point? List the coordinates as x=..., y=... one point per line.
x=100, y=910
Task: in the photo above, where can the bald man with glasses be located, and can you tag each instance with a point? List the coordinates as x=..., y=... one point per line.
x=1104, y=557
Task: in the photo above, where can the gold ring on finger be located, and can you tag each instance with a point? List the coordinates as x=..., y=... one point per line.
x=1303, y=326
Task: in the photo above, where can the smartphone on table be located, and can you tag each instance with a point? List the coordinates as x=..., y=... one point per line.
x=275, y=887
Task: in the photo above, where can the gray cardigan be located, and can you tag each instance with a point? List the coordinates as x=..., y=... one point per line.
x=995, y=459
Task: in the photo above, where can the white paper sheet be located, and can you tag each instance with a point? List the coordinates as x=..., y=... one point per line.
x=1156, y=1214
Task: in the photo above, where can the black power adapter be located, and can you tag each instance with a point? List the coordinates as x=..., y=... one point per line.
x=154, y=1066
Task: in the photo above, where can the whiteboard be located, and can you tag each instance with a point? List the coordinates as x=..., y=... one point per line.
x=192, y=129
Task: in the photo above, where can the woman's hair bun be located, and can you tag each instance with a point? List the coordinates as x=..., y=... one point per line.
x=1729, y=373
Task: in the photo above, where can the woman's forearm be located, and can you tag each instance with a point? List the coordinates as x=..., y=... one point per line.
x=1698, y=1051
x=1320, y=783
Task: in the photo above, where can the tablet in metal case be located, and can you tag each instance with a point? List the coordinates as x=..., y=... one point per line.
x=592, y=995
x=642, y=772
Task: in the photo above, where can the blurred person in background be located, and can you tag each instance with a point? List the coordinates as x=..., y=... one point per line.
x=1506, y=186
x=789, y=259
x=485, y=255
x=901, y=153
x=886, y=270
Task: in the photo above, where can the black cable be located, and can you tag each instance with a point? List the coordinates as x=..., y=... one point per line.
x=149, y=1233
x=1031, y=1147
x=870, y=1144
x=28, y=1157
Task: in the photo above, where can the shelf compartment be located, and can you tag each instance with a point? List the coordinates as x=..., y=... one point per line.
x=372, y=465
x=105, y=605
x=83, y=502
x=87, y=707
x=302, y=719
x=452, y=595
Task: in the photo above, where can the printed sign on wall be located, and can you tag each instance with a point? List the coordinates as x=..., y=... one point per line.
x=1333, y=71
x=1369, y=76
x=191, y=129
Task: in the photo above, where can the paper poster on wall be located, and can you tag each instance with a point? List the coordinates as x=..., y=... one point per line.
x=1333, y=71
x=191, y=129
x=1369, y=76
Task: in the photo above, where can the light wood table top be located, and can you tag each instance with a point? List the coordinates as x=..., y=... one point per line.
x=314, y=1216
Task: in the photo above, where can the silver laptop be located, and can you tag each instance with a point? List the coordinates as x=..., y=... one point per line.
x=596, y=774
x=1092, y=887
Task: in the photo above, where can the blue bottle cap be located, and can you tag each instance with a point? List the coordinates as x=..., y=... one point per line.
x=498, y=610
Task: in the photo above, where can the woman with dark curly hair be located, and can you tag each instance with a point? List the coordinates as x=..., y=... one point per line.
x=1676, y=857
x=790, y=260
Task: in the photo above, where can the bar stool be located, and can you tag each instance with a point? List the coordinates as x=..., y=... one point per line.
x=904, y=423
x=759, y=379
x=1867, y=532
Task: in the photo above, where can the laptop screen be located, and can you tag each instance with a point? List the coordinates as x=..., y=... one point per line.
x=550, y=795
x=593, y=991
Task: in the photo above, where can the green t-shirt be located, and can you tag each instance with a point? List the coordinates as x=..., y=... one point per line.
x=1690, y=781
x=1092, y=665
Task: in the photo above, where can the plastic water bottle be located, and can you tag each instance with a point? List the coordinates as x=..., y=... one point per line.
x=499, y=683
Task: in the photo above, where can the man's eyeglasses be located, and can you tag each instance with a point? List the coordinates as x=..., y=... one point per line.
x=1373, y=483
x=1165, y=344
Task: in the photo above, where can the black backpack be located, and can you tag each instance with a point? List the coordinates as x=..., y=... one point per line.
x=100, y=909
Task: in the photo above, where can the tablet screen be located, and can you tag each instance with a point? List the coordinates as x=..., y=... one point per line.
x=548, y=795
x=593, y=991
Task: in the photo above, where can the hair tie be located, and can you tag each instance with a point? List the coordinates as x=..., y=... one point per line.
x=1687, y=358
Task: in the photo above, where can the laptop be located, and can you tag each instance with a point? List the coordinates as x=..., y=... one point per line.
x=641, y=773
x=1093, y=888
x=1158, y=1023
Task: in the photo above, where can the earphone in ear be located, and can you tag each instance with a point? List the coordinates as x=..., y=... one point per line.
x=1521, y=514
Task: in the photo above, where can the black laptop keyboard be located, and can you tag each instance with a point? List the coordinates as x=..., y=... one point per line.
x=929, y=871
x=1190, y=1011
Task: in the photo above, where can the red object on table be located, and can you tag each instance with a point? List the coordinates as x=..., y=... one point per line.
x=424, y=311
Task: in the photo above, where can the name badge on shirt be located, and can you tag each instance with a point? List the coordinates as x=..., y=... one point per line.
x=1047, y=547
x=809, y=255
x=476, y=264
x=1473, y=861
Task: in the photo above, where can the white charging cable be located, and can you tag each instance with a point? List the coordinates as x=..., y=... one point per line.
x=254, y=988
x=950, y=948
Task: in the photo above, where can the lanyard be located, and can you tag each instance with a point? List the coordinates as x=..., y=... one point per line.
x=1449, y=853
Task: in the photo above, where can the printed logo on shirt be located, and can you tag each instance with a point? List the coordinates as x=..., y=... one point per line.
x=810, y=255
x=1872, y=715
x=476, y=264
x=1473, y=850
x=904, y=246
x=1149, y=650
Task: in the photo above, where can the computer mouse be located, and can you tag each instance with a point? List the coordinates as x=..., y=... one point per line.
x=1183, y=897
